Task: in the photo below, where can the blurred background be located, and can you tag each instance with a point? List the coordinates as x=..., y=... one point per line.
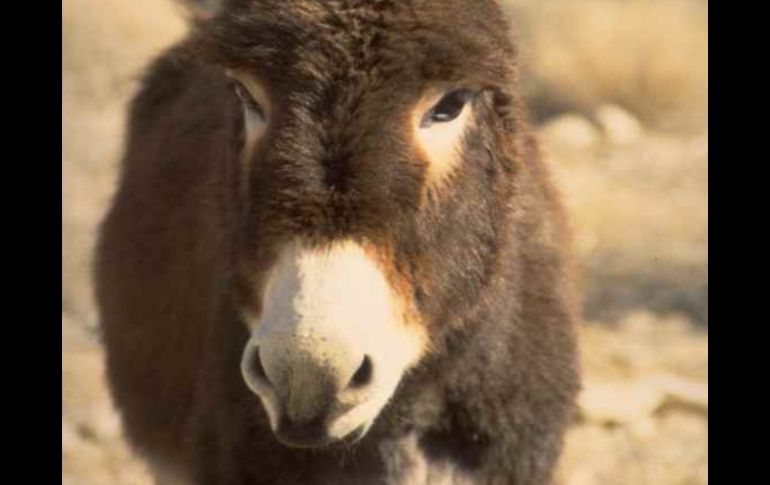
x=618, y=91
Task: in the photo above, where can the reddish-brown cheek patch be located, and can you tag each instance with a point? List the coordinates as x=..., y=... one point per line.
x=402, y=289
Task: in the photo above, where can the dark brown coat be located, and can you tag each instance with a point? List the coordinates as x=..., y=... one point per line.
x=485, y=258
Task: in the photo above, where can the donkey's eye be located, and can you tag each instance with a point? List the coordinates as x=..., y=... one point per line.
x=448, y=108
x=249, y=103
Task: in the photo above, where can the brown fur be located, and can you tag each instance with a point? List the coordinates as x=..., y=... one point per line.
x=482, y=263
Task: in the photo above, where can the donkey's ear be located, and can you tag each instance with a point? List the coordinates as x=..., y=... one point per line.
x=201, y=10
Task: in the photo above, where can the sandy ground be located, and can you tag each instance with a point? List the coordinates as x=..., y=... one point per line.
x=636, y=190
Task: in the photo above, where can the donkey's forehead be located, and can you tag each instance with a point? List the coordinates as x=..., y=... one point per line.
x=362, y=40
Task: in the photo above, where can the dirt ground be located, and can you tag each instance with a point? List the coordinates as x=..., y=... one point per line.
x=634, y=178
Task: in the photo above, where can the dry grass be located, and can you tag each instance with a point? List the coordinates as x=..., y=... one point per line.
x=640, y=212
x=650, y=56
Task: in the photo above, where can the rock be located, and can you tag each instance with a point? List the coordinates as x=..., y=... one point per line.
x=634, y=403
x=684, y=393
x=571, y=131
x=619, y=403
x=619, y=126
x=641, y=323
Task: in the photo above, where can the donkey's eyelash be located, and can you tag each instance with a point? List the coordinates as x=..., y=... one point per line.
x=247, y=99
x=447, y=108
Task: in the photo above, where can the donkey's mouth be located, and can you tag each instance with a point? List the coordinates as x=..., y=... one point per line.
x=316, y=436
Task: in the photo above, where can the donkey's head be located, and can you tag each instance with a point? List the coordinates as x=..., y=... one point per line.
x=375, y=147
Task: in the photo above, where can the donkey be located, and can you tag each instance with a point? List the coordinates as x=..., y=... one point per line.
x=335, y=255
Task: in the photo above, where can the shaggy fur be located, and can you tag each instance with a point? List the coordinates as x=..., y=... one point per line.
x=482, y=258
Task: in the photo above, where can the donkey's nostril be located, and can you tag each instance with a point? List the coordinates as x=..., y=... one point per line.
x=363, y=375
x=256, y=365
x=253, y=370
